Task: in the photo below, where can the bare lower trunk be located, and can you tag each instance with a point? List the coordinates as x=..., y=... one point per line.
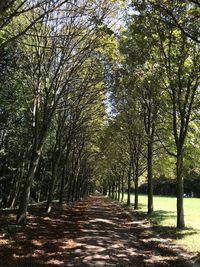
x=39, y=190
x=113, y=191
x=150, y=177
x=18, y=183
x=13, y=197
x=122, y=198
x=129, y=188
x=136, y=186
x=77, y=188
x=24, y=201
x=69, y=190
x=51, y=189
x=180, y=192
x=74, y=183
x=62, y=186
x=109, y=190
x=119, y=190
x=136, y=194
x=116, y=190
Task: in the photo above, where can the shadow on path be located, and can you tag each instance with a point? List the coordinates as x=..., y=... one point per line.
x=93, y=232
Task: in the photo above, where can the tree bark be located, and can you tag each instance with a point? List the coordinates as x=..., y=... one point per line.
x=150, y=177
x=129, y=188
x=77, y=187
x=22, y=211
x=62, y=186
x=119, y=189
x=113, y=191
x=109, y=190
x=69, y=189
x=74, y=181
x=116, y=191
x=21, y=175
x=51, y=187
x=122, y=189
x=180, y=192
x=136, y=183
x=136, y=194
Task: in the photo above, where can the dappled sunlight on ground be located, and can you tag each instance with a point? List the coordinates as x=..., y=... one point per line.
x=93, y=232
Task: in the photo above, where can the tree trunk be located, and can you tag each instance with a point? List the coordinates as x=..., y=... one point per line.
x=113, y=191
x=39, y=190
x=136, y=186
x=14, y=194
x=116, y=191
x=109, y=190
x=129, y=188
x=73, y=187
x=21, y=175
x=119, y=189
x=150, y=177
x=122, y=190
x=62, y=186
x=180, y=192
x=24, y=201
x=77, y=187
x=136, y=194
x=69, y=189
x=51, y=188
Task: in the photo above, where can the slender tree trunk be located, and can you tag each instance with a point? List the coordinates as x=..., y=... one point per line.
x=109, y=190
x=22, y=211
x=21, y=175
x=136, y=194
x=69, y=189
x=62, y=186
x=150, y=177
x=15, y=185
x=77, y=187
x=136, y=185
x=180, y=192
x=113, y=191
x=51, y=188
x=129, y=188
x=13, y=192
x=119, y=189
x=116, y=191
x=105, y=189
x=73, y=187
x=36, y=153
x=39, y=190
x=13, y=197
x=122, y=189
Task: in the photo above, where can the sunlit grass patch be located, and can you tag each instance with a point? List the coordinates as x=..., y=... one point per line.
x=164, y=219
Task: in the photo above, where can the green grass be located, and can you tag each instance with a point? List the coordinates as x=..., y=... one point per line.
x=164, y=219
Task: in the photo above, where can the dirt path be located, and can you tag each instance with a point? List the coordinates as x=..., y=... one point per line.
x=94, y=232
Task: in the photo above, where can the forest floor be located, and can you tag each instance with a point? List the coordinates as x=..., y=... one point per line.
x=92, y=232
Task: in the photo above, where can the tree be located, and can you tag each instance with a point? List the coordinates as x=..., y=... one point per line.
x=55, y=55
x=183, y=15
x=181, y=61
x=178, y=57
x=14, y=13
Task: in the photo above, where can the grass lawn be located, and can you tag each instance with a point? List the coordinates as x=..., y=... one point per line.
x=164, y=219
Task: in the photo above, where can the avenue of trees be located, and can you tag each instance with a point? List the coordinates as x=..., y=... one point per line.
x=52, y=99
x=63, y=65
x=154, y=121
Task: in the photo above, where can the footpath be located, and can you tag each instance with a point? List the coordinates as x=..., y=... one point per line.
x=93, y=232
